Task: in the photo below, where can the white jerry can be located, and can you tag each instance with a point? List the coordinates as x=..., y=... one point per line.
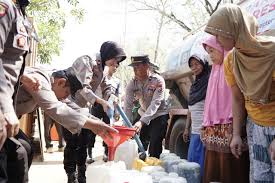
x=115, y=172
x=127, y=152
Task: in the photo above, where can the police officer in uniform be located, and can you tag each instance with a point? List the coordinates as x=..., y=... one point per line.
x=148, y=88
x=52, y=98
x=14, y=44
x=109, y=86
x=90, y=73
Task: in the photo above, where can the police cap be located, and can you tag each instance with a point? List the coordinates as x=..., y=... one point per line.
x=140, y=59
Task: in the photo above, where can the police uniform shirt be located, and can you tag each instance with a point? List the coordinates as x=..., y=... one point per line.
x=110, y=85
x=68, y=114
x=150, y=95
x=90, y=74
x=14, y=42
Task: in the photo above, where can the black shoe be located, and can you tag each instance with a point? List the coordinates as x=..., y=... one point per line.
x=105, y=158
x=72, y=178
x=90, y=160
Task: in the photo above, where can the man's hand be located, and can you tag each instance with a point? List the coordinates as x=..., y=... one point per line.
x=138, y=125
x=3, y=131
x=236, y=146
x=272, y=151
x=186, y=135
x=100, y=128
x=12, y=124
x=106, y=105
x=30, y=82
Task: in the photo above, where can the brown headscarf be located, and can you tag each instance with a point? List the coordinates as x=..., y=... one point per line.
x=254, y=56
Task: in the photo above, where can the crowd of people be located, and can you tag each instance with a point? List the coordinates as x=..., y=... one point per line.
x=231, y=103
x=65, y=96
x=232, y=107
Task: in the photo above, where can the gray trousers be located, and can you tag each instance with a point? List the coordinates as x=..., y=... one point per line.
x=48, y=124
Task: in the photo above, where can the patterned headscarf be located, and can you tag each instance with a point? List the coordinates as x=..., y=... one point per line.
x=253, y=56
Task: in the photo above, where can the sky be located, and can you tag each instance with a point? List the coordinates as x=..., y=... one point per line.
x=106, y=20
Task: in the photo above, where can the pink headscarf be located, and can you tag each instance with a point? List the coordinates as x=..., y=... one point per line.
x=218, y=102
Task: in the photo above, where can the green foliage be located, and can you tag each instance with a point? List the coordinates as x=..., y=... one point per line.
x=50, y=18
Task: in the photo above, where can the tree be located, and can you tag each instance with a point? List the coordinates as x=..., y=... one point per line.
x=202, y=6
x=190, y=17
x=50, y=19
x=209, y=7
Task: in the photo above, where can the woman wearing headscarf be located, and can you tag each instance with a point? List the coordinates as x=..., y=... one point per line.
x=220, y=164
x=201, y=70
x=250, y=73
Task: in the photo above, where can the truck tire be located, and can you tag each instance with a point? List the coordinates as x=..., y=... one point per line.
x=176, y=143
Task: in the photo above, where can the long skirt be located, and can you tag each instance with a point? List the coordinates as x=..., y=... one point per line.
x=220, y=165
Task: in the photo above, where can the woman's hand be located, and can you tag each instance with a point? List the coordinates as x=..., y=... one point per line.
x=186, y=135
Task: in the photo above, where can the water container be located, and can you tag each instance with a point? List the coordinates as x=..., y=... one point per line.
x=157, y=176
x=127, y=152
x=173, y=180
x=151, y=169
x=173, y=174
x=99, y=173
x=163, y=155
x=115, y=172
x=168, y=164
x=152, y=161
x=174, y=168
x=129, y=176
x=190, y=171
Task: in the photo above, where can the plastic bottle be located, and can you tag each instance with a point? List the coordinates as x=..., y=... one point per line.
x=157, y=176
x=190, y=171
x=168, y=164
x=163, y=155
x=151, y=169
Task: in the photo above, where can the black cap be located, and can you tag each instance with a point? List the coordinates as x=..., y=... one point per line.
x=109, y=50
x=23, y=3
x=70, y=76
x=140, y=59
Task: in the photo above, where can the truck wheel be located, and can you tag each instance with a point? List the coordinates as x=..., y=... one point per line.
x=176, y=143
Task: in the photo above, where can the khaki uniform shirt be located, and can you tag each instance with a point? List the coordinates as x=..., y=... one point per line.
x=150, y=95
x=90, y=74
x=68, y=114
x=14, y=42
x=109, y=86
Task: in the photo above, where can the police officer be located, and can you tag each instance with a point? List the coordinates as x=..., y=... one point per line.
x=109, y=86
x=148, y=88
x=14, y=43
x=54, y=90
x=91, y=74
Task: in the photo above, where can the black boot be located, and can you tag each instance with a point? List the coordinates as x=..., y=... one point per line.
x=71, y=178
x=81, y=177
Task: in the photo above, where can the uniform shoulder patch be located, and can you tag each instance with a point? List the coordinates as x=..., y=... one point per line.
x=3, y=9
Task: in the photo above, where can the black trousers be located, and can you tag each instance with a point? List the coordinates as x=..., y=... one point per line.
x=153, y=135
x=75, y=152
x=98, y=111
x=16, y=159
